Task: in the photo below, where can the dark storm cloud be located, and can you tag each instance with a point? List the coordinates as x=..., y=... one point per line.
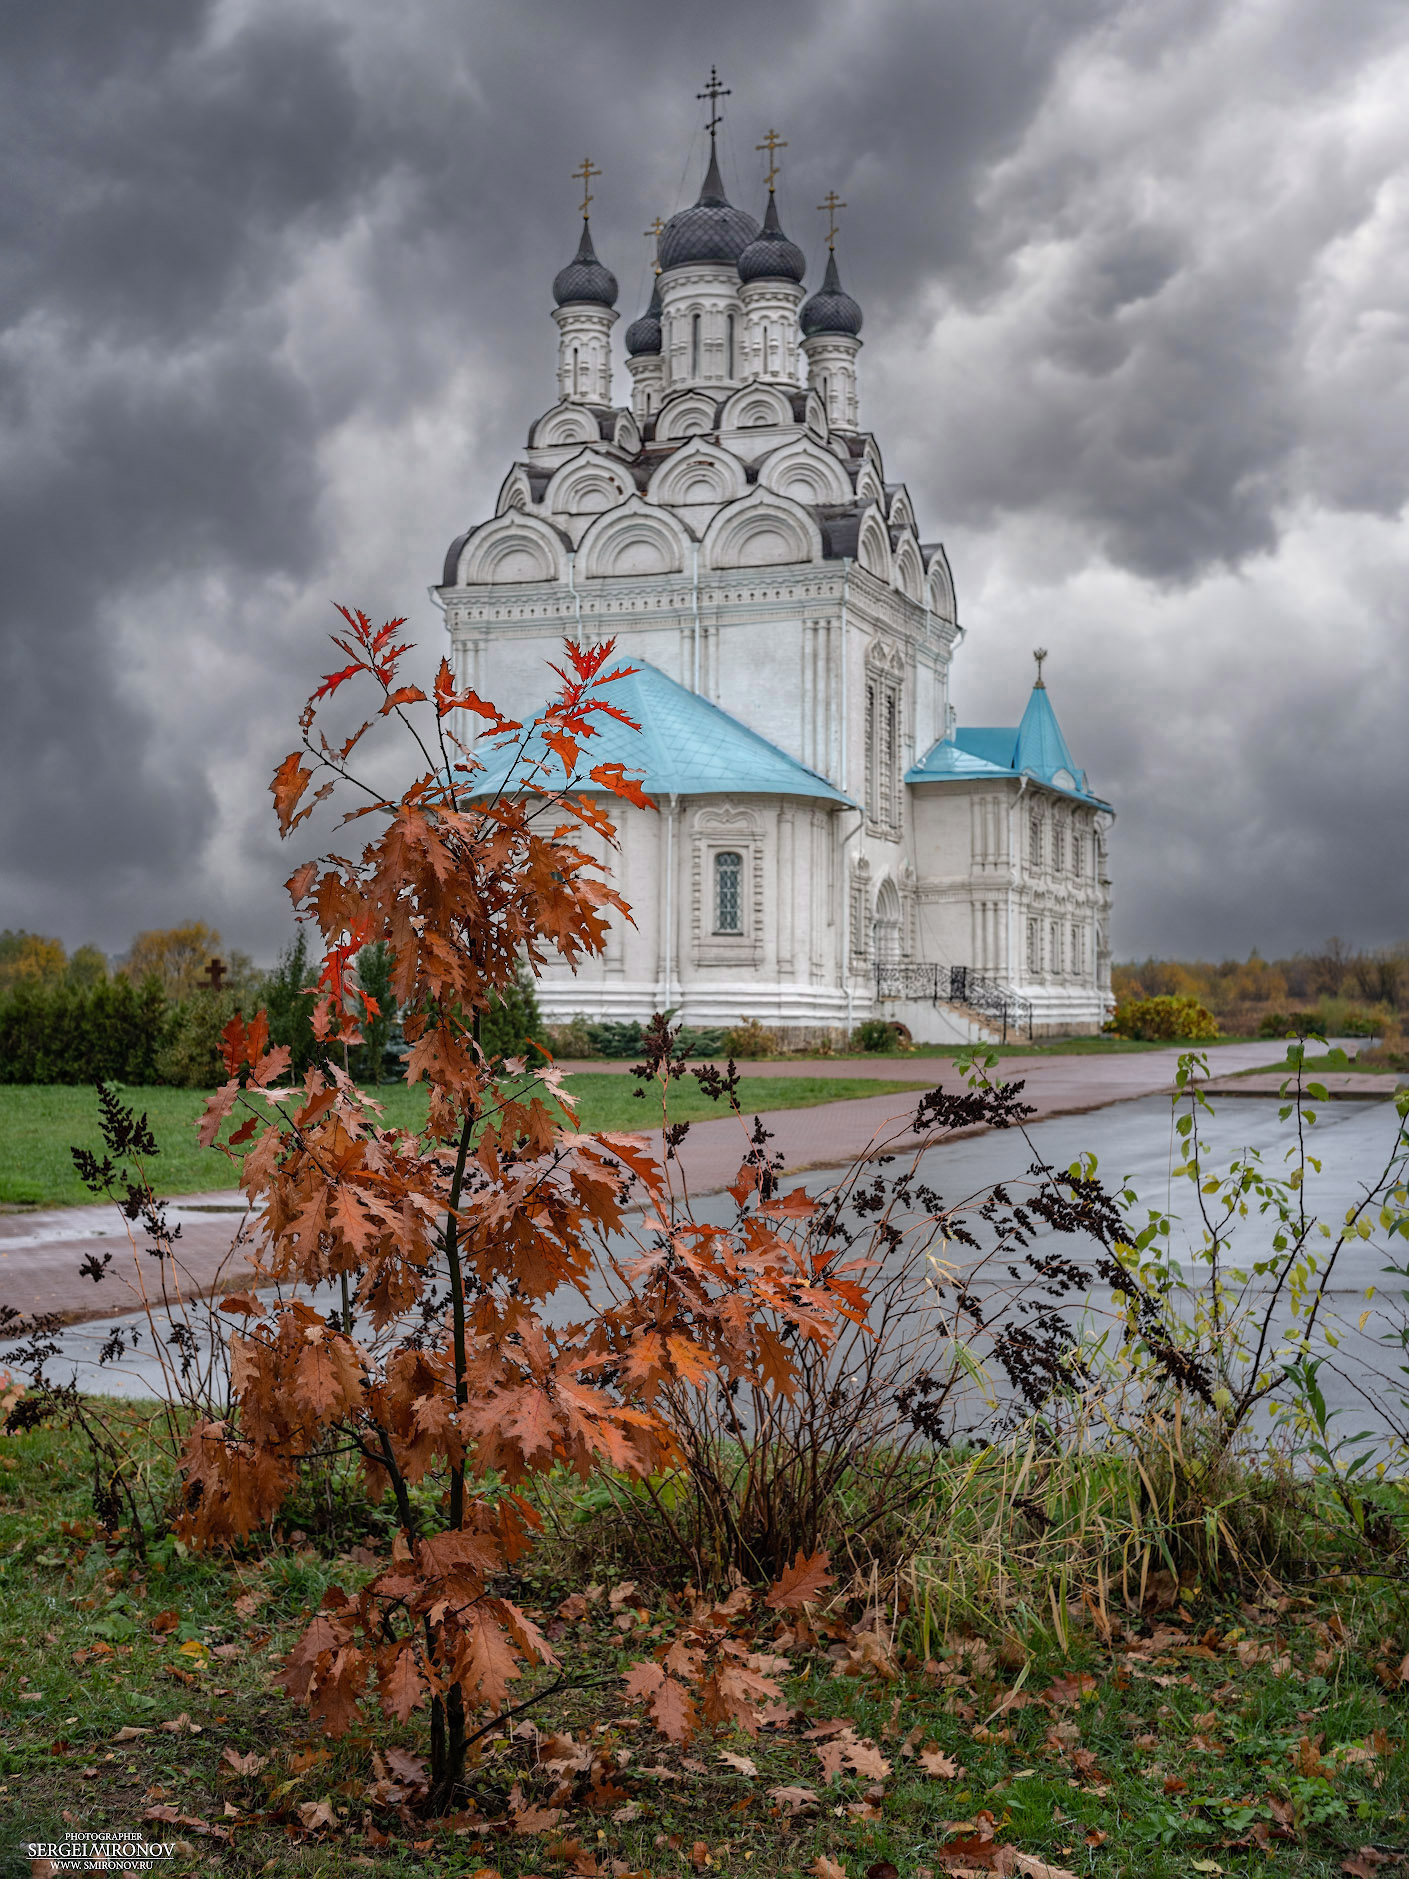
x=273, y=299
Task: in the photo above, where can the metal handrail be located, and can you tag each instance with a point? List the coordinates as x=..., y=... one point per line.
x=955, y=985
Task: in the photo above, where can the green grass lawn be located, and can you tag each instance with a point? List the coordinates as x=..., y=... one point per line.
x=1337, y=1061
x=39, y=1124
x=1255, y=1736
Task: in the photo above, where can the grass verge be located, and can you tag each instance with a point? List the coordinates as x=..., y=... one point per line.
x=1196, y=1735
x=39, y=1124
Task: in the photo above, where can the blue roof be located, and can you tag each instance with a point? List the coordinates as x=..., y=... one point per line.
x=1034, y=748
x=686, y=747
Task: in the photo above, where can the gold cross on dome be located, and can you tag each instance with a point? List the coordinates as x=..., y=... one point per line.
x=584, y=173
x=653, y=234
x=828, y=206
x=772, y=143
x=1039, y=654
x=714, y=91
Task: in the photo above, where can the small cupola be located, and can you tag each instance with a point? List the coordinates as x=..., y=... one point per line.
x=831, y=309
x=770, y=256
x=643, y=335
x=584, y=281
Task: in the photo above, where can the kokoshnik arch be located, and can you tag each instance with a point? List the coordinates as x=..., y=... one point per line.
x=830, y=843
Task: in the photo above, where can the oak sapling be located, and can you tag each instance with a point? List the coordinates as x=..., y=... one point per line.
x=444, y=1370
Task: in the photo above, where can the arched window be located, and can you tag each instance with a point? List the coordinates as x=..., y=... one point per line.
x=1034, y=841
x=728, y=891
x=767, y=351
x=576, y=375
x=694, y=345
x=729, y=346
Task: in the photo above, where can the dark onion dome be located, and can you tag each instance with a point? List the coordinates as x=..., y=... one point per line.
x=770, y=256
x=830, y=310
x=584, y=277
x=712, y=230
x=643, y=335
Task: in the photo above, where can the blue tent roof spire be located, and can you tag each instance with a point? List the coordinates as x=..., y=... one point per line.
x=1042, y=750
x=1036, y=748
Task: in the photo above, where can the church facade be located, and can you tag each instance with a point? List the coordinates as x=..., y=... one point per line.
x=829, y=843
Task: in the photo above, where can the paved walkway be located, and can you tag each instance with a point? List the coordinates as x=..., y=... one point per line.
x=40, y=1252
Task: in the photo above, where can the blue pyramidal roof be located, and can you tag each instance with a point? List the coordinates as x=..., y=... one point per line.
x=1035, y=748
x=685, y=747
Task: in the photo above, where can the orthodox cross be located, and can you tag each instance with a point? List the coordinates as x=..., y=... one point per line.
x=828, y=206
x=714, y=91
x=653, y=234
x=772, y=143
x=1039, y=654
x=585, y=174
x=214, y=976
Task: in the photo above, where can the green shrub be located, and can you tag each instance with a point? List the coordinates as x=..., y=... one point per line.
x=284, y=998
x=622, y=1039
x=881, y=1034
x=749, y=1038
x=1282, y=1024
x=373, y=1056
x=1163, y=1020
x=190, y=1059
x=82, y=1034
x=512, y=1022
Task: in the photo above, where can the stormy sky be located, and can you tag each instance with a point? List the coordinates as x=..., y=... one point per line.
x=274, y=297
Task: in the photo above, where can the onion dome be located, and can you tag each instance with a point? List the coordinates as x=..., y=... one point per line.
x=712, y=230
x=771, y=256
x=643, y=335
x=584, y=277
x=831, y=309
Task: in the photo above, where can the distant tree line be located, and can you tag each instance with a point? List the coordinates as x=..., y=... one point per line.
x=154, y=1017
x=1346, y=990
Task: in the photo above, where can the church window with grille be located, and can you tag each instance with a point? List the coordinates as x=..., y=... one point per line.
x=576, y=374
x=1034, y=947
x=1058, y=848
x=694, y=345
x=883, y=752
x=729, y=346
x=1078, y=854
x=1034, y=841
x=728, y=891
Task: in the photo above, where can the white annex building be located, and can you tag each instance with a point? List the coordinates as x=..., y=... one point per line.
x=829, y=845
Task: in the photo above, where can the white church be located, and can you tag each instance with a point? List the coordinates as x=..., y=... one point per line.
x=829, y=843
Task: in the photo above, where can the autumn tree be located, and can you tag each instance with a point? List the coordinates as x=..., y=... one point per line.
x=449, y=1370
x=176, y=955
x=30, y=959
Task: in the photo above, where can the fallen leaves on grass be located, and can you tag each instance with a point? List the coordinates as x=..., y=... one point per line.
x=933, y=1761
x=247, y=1764
x=741, y=1764
x=794, y=1799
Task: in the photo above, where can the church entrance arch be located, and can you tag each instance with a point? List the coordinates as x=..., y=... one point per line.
x=885, y=928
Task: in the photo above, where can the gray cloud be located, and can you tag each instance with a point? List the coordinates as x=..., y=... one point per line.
x=273, y=317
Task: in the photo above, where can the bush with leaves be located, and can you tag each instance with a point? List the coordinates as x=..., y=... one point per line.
x=62, y=1033
x=511, y=1025
x=374, y=972
x=749, y=1039
x=1167, y=1019
x=446, y=1364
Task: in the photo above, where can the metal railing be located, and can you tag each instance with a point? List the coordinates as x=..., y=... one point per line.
x=956, y=985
